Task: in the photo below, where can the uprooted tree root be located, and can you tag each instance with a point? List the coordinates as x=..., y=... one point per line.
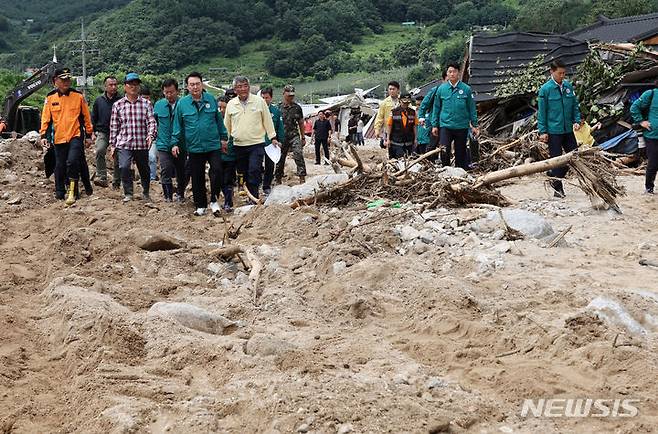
x=596, y=177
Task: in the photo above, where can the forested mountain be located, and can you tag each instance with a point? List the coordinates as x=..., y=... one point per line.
x=302, y=37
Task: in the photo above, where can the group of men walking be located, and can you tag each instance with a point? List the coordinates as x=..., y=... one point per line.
x=229, y=135
x=191, y=133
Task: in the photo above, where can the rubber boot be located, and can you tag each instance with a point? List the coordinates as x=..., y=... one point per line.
x=70, y=196
x=241, y=191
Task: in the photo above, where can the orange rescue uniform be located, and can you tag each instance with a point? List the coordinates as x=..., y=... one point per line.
x=64, y=111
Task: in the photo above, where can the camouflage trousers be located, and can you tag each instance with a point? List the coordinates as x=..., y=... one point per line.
x=297, y=146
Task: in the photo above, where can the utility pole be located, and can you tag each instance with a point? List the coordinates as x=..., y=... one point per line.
x=84, y=49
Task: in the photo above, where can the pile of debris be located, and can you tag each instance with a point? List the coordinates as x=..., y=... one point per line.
x=608, y=80
x=421, y=182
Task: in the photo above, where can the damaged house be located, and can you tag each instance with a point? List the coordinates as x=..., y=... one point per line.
x=605, y=58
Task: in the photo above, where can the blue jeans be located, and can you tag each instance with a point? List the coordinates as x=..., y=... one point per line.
x=249, y=162
x=153, y=161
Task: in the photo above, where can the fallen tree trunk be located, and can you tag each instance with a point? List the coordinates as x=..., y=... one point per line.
x=587, y=165
x=524, y=170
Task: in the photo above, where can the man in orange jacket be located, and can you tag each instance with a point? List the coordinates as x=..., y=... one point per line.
x=64, y=110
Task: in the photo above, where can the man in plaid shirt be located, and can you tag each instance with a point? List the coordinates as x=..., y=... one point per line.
x=132, y=132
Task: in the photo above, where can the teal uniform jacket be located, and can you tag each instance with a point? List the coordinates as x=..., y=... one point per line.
x=645, y=108
x=198, y=126
x=277, y=118
x=557, y=110
x=454, y=107
x=423, y=132
x=164, y=116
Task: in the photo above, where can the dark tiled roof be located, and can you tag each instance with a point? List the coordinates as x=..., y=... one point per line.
x=627, y=29
x=422, y=90
x=493, y=58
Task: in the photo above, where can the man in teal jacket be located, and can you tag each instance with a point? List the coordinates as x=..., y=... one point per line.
x=277, y=118
x=558, y=115
x=452, y=115
x=645, y=112
x=422, y=132
x=170, y=165
x=199, y=129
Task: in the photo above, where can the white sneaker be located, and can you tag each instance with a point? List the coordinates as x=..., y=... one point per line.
x=200, y=211
x=214, y=207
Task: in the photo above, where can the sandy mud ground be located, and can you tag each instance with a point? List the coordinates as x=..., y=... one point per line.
x=366, y=321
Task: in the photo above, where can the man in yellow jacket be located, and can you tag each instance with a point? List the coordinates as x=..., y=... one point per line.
x=63, y=111
x=248, y=122
x=384, y=112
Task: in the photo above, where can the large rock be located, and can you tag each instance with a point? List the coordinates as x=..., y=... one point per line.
x=154, y=242
x=408, y=233
x=284, y=194
x=193, y=317
x=528, y=223
x=32, y=136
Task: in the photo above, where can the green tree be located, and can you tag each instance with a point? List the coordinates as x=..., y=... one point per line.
x=621, y=8
x=553, y=16
x=439, y=30
x=422, y=73
x=453, y=52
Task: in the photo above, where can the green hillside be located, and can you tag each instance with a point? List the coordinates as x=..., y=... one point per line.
x=277, y=41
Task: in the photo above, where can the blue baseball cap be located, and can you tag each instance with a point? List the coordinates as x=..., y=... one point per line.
x=132, y=76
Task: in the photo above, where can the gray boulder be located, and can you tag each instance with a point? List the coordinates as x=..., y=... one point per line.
x=528, y=223
x=193, y=317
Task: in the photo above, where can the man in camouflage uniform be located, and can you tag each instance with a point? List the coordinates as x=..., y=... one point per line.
x=293, y=124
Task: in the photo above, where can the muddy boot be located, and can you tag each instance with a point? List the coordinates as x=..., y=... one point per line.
x=70, y=196
x=241, y=191
x=302, y=179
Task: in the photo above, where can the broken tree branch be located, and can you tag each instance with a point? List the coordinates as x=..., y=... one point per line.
x=227, y=252
x=416, y=161
x=254, y=275
x=251, y=197
x=559, y=237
